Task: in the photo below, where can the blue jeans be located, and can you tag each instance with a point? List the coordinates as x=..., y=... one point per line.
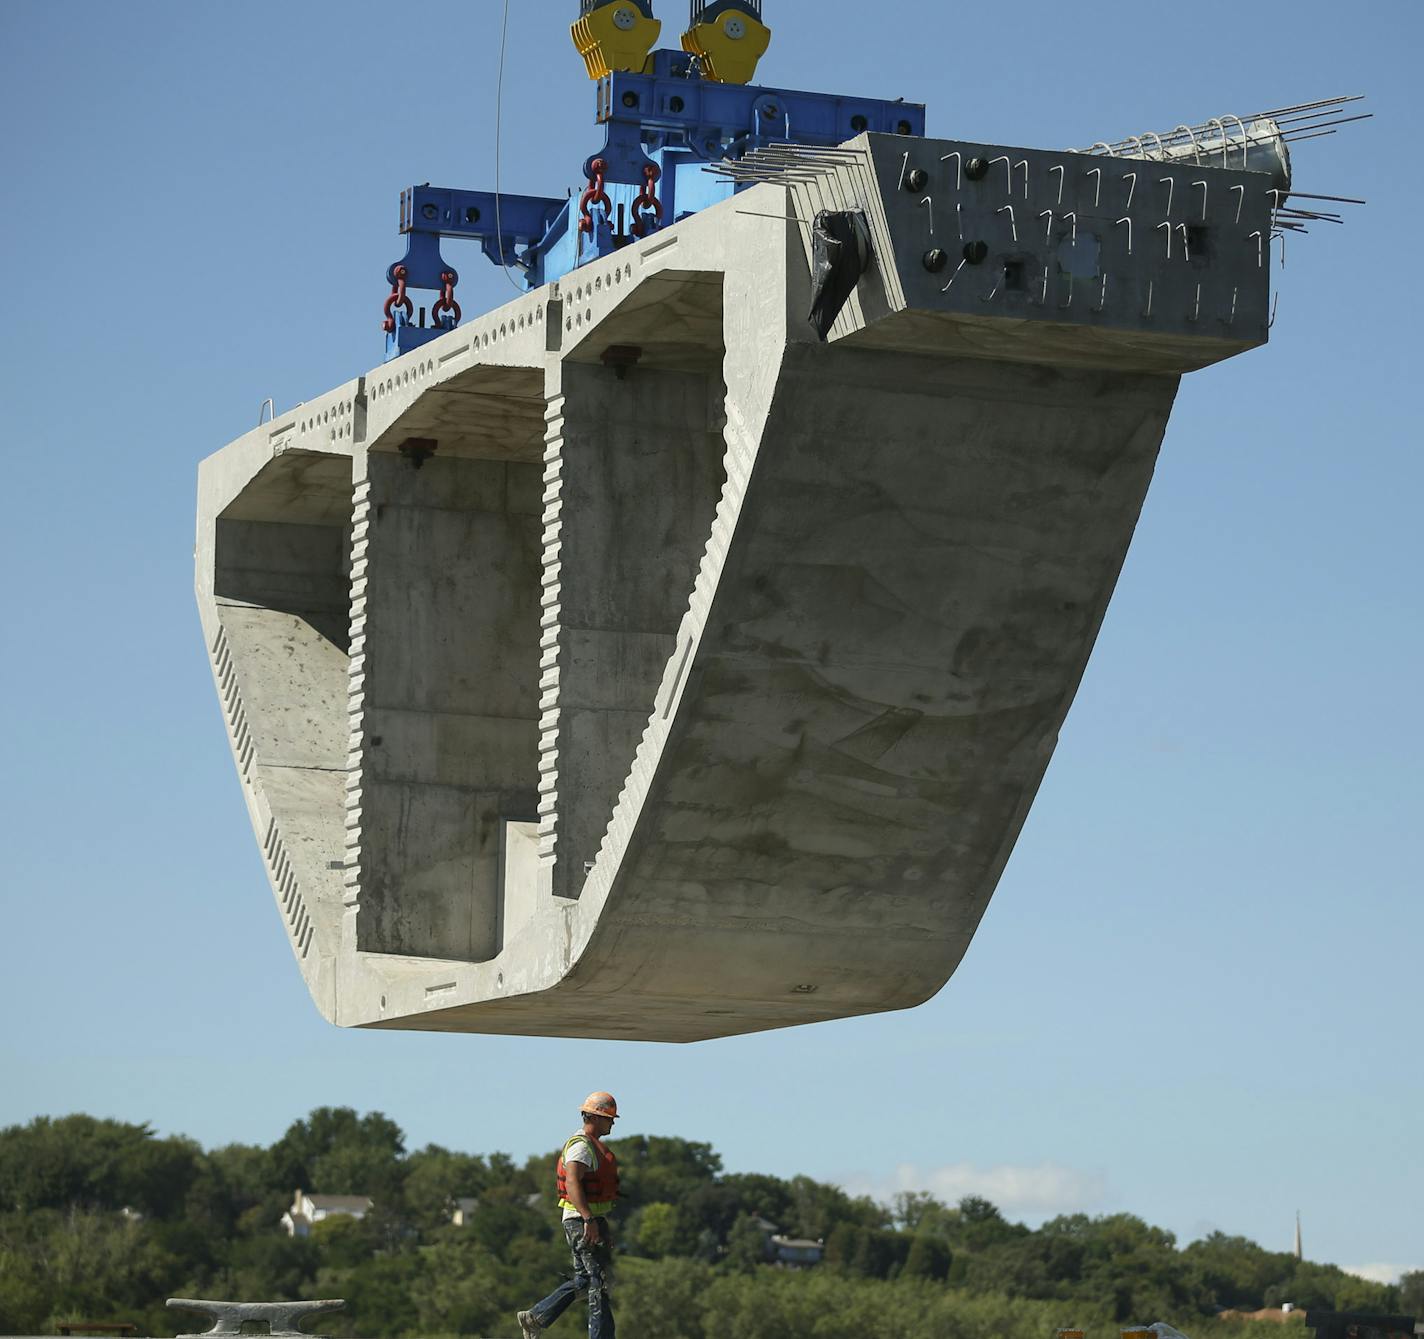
x=593, y=1269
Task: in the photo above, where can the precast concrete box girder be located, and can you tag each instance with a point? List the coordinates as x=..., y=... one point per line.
x=628, y=663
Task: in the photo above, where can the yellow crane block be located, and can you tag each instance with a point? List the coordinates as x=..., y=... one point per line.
x=729, y=44
x=617, y=35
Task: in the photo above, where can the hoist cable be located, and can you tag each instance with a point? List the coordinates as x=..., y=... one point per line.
x=498, y=137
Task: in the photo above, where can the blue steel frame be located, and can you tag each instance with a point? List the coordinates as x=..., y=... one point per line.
x=671, y=119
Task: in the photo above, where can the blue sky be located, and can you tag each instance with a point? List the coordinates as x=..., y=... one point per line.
x=1197, y=992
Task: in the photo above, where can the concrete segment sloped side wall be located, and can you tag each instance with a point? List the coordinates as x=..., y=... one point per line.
x=272, y=584
x=923, y=556
x=281, y=594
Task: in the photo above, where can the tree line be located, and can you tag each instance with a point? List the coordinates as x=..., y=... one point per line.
x=101, y=1220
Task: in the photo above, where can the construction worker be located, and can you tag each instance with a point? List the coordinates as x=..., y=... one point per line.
x=587, y=1177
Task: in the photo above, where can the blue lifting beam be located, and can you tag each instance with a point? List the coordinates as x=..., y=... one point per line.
x=663, y=127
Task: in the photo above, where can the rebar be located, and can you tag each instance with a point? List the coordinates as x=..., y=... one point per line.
x=1259, y=142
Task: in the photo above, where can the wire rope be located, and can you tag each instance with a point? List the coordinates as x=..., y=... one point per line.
x=498, y=143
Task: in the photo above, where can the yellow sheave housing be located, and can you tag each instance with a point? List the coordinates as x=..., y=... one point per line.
x=615, y=36
x=730, y=46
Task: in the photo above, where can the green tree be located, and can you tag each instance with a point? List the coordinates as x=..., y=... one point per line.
x=912, y=1209
x=1138, y=1267
x=761, y=1196
x=250, y=1181
x=381, y=1295
x=537, y=1174
x=929, y=1258
x=657, y=1230
x=976, y=1209
x=746, y=1245
x=705, y=1217
x=434, y=1179
x=816, y=1209
x=842, y=1245
x=463, y=1289
x=881, y=1254
x=336, y=1152
x=982, y=1226
x=919, y=1211
x=1328, y=1288
x=667, y=1299
x=345, y=1242
x=1411, y=1294
x=504, y=1217
x=1237, y=1272
x=78, y=1161
x=25, y=1291
x=654, y=1169
x=270, y=1265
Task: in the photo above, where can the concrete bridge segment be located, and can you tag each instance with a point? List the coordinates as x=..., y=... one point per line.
x=709, y=694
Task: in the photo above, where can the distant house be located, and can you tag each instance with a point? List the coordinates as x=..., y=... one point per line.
x=307, y=1210
x=797, y=1252
x=793, y=1252
x=463, y=1210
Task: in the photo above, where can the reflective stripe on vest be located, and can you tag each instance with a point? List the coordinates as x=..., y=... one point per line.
x=600, y=1186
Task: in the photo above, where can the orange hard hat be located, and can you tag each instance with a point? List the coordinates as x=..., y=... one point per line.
x=600, y=1104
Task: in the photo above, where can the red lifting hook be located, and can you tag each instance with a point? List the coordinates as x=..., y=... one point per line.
x=446, y=301
x=397, y=299
x=647, y=200
x=594, y=195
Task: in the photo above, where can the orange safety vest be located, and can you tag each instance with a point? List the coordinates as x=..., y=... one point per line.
x=600, y=1186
